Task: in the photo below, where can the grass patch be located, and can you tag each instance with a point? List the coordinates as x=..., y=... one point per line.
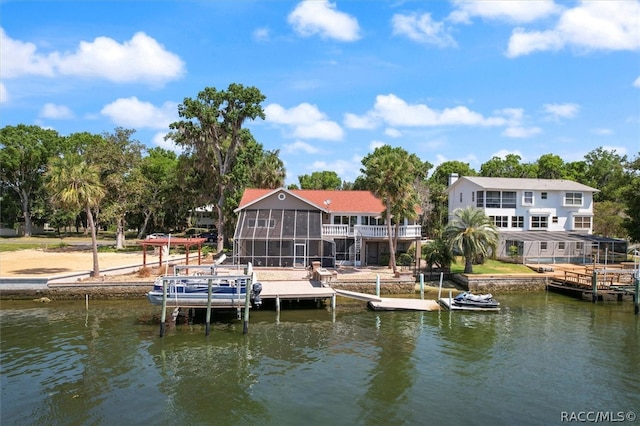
x=491, y=266
x=20, y=246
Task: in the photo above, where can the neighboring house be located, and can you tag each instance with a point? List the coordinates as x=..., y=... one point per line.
x=540, y=220
x=280, y=227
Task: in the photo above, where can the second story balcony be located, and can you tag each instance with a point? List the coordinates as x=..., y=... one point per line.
x=370, y=231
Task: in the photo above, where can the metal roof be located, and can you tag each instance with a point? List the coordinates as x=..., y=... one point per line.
x=527, y=184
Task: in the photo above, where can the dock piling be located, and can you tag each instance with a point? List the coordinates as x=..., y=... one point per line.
x=163, y=315
x=378, y=285
x=636, y=296
x=208, y=319
x=594, y=284
x=421, y=286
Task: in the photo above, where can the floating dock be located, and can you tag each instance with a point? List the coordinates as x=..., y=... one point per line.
x=378, y=303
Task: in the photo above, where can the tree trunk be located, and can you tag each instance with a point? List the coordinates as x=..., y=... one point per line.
x=94, y=242
x=120, y=237
x=26, y=213
x=392, y=252
x=468, y=265
x=143, y=229
x=220, y=221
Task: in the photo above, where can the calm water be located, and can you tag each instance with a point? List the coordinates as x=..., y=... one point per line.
x=542, y=355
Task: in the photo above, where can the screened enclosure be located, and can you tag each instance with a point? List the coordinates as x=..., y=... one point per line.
x=281, y=238
x=561, y=247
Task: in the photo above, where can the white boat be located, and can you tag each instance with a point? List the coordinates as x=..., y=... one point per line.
x=227, y=290
x=468, y=299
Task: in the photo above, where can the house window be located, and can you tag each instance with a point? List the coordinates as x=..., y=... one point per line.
x=508, y=199
x=500, y=221
x=480, y=200
x=582, y=222
x=473, y=197
x=561, y=245
x=527, y=198
x=461, y=197
x=517, y=221
x=543, y=245
x=493, y=199
x=543, y=195
x=579, y=245
x=573, y=199
x=539, y=222
x=554, y=219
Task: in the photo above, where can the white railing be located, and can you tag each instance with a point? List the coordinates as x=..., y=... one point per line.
x=371, y=231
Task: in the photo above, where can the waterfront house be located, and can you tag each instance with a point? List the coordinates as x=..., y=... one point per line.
x=540, y=220
x=282, y=227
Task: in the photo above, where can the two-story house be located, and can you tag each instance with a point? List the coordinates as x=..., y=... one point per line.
x=540, y=220
x=281, y=227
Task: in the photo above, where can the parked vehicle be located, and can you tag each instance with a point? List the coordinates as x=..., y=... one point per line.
x=156, y=236
x=211, y=236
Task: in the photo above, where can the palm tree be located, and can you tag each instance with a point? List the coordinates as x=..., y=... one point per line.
x=472, y=233
x=438, y=252
x=75, y=185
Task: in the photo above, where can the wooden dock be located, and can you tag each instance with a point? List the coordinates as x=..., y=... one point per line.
x=378, y=303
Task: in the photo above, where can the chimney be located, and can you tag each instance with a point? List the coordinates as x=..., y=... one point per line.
x=453, y=177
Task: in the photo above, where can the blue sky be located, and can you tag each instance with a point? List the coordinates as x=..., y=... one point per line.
x=446, y=80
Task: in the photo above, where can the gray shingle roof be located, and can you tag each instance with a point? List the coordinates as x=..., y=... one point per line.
x=528, y=184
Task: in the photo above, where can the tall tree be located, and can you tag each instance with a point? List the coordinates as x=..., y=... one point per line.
x=471, y=233
x=551, y=166
x=605, y=171
x=391, y=173
x=24, y=154
x=509, y=166
x=74, y=185
x=211, y=131
x=443, y=171
x=632, y=200
x=320, y=180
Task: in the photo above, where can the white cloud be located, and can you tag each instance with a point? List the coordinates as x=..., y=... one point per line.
x=602, y=132
x=347, y=169
x=141, y=59
x=321, y=17
x=557, y=111
x=261, y=34
x=299, y=146
x=521, y=132
x=373, y=145
x=56, y=112
x=306, y=121
x=593, y=25
x=353, y=121
x=636, y=83
x=392, y=133
x=396, y=112
x=168, y=144
x=131, y=112
x=504, y=152
x=423, y=29
x=4, y=94
x=510, y=11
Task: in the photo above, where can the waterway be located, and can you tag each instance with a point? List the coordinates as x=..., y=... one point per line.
x=542, y=359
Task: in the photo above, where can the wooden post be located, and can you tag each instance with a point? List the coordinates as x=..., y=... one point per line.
x=208, y=319
x=247, y=305
x=636, y=297
x=421, y=286
x=163, y=315
x=440, y=286
x=278, y=303
x=333, y=302
x=378, y=285
x=594, y=285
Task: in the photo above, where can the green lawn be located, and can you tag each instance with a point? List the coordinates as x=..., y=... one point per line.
x=491, y=267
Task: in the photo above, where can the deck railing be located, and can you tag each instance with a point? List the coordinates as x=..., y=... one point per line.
x=371, y=231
